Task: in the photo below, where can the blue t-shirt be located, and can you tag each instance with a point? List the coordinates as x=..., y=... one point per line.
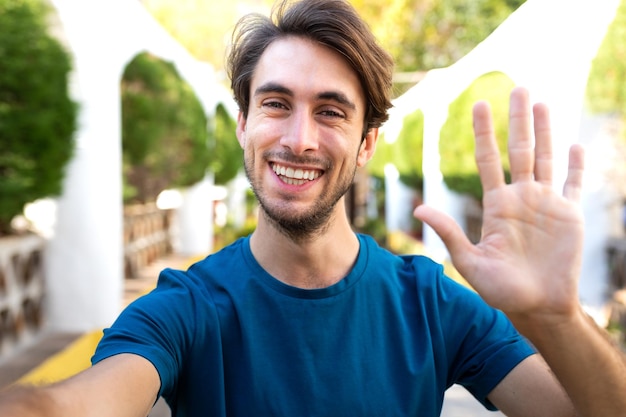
x=228, y=339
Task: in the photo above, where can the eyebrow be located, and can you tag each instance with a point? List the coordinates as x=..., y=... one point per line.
x=272, y=87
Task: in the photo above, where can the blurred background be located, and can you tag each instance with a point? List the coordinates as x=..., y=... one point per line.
x=117, y=142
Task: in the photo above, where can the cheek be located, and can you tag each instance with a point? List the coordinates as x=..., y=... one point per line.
x=261, y=137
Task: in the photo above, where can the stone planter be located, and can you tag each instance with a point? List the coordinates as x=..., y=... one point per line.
x=22, y=291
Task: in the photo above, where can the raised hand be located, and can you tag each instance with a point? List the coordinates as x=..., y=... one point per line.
x=527, y=262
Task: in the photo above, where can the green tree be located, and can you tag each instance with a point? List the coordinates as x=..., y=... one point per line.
x=382, y=156
x=230, y=160
x=37, y=116
x=606, y=92
x=427, y=34
x=606, y=86
x=406, y=153
x=420, y=34
x=203, y=26
x=165, y=137
x=456, y=143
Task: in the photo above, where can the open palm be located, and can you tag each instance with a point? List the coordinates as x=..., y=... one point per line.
x=528, y=259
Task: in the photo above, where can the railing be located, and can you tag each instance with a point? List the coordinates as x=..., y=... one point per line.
x=147, y=236
x=22, y=290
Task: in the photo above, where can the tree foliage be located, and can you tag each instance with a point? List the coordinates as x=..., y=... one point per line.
x=420, y=34
x=406, y=153
x=427, y=34
x=226, y=147
x=203, y=26
x=37, y=116
x=606, y=93
x=456, y=143
x=606, y=87
x=165, y=135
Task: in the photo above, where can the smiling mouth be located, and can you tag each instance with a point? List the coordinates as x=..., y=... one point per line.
x=295, y=176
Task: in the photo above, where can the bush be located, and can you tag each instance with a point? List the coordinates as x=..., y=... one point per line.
x=165, y=137
x=456, y=144
x=606, y=86
x=406, y=153
x=37, y=116
x=227, y=147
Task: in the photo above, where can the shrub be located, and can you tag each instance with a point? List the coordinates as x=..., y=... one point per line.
x=37, y=116
x=456, y=144
x=165, y=137
x=606, y=86
x=230, y=160
x=406, y=153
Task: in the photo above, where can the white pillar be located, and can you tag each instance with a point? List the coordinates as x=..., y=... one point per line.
x=195, y=219
x=84, y=260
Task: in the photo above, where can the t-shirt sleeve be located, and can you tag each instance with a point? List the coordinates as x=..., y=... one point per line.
x=158, y=327
x=483, y=346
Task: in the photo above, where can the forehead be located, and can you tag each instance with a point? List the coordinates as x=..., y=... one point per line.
x=307, y=67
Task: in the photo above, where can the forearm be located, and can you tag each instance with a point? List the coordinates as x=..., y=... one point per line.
x=591, y=368
x=21, y=401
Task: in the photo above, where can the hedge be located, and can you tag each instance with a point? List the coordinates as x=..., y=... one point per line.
x=37, y=116
x=165, y=135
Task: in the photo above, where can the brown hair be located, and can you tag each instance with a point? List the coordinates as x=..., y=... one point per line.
x=333, y=23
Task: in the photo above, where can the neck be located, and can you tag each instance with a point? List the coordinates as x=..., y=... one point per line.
x=317, y=260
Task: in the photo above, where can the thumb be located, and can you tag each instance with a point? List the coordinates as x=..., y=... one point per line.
x=448, y=230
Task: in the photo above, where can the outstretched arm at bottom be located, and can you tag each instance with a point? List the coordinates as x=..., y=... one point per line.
x=120, y=386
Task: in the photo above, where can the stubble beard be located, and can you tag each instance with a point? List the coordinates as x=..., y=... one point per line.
x=304, y=225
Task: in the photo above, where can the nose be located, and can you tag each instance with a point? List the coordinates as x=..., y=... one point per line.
x=301, y=134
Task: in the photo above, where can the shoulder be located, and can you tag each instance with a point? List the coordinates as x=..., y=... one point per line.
x=216, y=268
x=418, y=270
x=379, y=255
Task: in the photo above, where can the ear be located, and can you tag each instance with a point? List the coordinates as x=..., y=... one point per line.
x=368, y=146
x=241, y=129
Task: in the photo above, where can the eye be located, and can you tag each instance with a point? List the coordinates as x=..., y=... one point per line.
x=273, y=104
x=332, y=113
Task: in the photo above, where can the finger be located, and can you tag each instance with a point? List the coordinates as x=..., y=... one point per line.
x=449, y=231
x=487, y=153
x=573, y=183
x=521, y=152
x=543, y=144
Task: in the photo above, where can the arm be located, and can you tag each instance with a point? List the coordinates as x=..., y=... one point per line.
x=527, y=263
x=531, y=389
x=122, y=386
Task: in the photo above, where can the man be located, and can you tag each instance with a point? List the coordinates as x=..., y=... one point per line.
x=305, y=317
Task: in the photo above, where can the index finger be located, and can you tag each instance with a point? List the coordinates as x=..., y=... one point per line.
x=487, y=152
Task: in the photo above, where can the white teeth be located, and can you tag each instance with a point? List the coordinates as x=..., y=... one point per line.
x=291, y=181
x=295, y=176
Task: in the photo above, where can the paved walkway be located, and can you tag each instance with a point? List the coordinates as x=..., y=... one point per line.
x=58, y=355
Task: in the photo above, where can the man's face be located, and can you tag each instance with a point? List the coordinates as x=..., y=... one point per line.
x=302, y=138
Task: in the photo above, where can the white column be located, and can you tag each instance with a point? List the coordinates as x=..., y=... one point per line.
x=84, y=259
x=195, y=219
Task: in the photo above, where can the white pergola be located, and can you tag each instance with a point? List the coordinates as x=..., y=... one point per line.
x=546, y=46
x=84, y=266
